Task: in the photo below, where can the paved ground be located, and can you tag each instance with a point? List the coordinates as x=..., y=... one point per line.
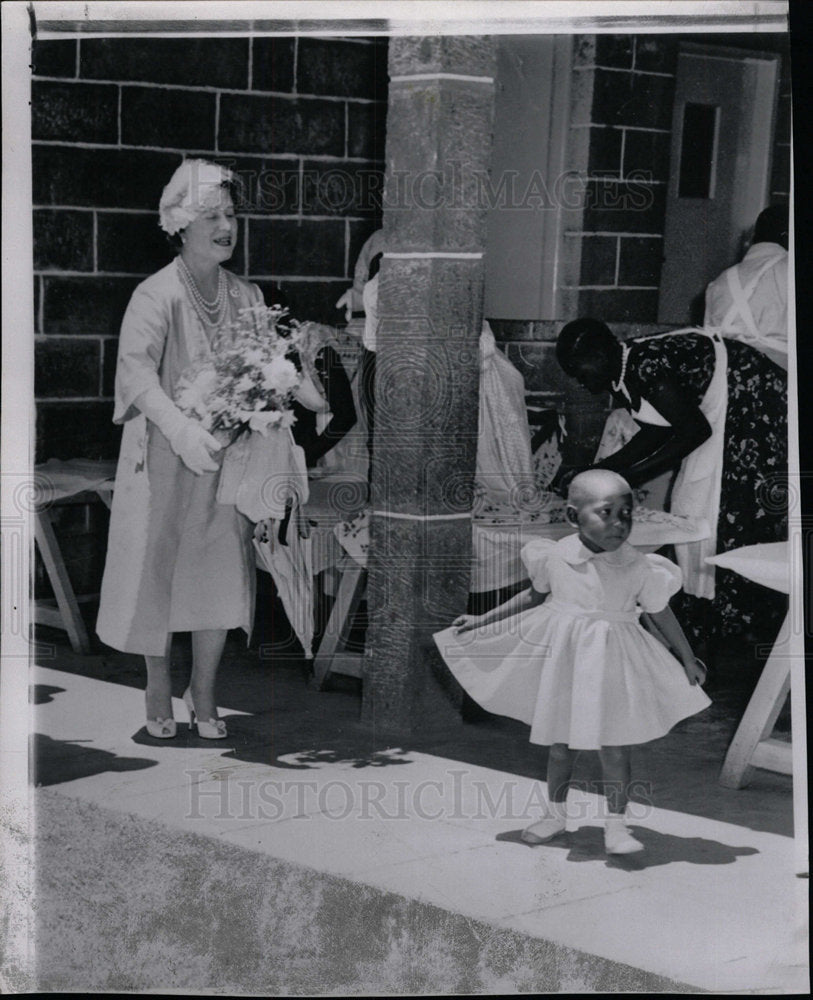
x=304, y=854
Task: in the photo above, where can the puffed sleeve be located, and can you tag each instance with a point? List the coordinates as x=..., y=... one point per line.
x=534, y=556
x=143, y=335
x=662, y=580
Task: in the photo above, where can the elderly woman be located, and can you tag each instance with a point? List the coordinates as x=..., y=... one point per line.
x=716, y=410
x=177, y=560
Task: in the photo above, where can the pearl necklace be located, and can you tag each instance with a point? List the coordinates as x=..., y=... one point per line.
x=210, y=312
x=619, y=386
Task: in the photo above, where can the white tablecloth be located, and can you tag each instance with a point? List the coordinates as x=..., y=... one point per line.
x=768, y=564
x=495, y=547
x=57, y=480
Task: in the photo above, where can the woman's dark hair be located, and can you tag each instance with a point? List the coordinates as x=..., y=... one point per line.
x=772, y=226
x=582, y=338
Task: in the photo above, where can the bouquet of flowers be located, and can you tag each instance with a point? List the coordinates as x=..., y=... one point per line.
x=249, y=380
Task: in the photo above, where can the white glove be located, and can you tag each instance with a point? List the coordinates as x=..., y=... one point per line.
x=346, y=302
x=190, y=441
x=194, y=445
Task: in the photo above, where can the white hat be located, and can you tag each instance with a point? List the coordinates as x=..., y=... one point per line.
x=194, y=186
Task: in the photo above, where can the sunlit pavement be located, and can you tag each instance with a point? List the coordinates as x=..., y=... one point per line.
x=430, y=831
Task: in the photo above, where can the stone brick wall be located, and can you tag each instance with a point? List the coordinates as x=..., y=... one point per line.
x=620, y=136
x=302, y=120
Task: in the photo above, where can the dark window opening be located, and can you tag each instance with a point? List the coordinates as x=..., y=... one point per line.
x=698, y=151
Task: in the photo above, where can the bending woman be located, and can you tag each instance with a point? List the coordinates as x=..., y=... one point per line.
x=717, y=410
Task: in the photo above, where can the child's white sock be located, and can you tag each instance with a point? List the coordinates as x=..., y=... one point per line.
x=617, y=838
x=549, y=826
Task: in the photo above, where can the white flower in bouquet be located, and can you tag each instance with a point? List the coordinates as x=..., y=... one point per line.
x=248, y=382
x=281, y=375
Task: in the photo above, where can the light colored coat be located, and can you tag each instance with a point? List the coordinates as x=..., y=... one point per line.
x=177, y=560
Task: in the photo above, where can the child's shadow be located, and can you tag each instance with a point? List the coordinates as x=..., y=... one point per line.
x=587, y=844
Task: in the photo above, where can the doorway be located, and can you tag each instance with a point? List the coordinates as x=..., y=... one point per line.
x=722, y=139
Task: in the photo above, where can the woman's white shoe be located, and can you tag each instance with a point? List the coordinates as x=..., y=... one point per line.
x=214, y=729
x=161, y=729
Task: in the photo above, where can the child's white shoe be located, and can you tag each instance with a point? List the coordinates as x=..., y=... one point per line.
x=548, y=827
x=618, y=839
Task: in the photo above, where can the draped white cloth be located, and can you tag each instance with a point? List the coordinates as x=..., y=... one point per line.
x=504, y=470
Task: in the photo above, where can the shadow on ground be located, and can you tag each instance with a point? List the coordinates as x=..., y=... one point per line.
x=55, y=761
x=587, y=844
x=293, y=727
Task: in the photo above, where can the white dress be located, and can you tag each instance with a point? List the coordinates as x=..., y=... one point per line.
x=580, y=669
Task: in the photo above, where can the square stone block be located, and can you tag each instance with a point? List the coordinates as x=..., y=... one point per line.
x=342, y=67
x=598, y=259
x=605, y=151
x=632, y=99
x=100, y=178
x=471, y=55
x=187, y=116
x=66, y=367
x=640, y=261
x=614, y=50
x=190, y=62
x=647, y=153
x=76, y=430
x=439, y=134
x=296, y=247
x=657, y=53
x=272, y=64
x=341, y=188
x=630, y=206
x=85, y=305
x=445, y=292
x=131, y=243
x=266, y=186
x=71, y=111
x=63, y=240
x=54, y=57
x=253, y=123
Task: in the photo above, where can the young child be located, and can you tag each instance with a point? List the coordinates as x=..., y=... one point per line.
x=579, y=668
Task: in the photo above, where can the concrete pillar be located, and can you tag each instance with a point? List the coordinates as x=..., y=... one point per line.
x=427, y=381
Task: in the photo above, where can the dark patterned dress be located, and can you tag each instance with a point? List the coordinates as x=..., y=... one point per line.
x=753, y=498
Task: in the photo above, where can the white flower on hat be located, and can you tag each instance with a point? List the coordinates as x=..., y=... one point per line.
x=193, y=187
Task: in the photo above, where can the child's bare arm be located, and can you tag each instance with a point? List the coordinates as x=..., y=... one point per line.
x=522, y=601
x=674, y=635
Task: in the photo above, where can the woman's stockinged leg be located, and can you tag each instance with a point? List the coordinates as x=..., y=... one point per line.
x=158, y=695
x=560, y=770
x=207, y=650
x=616, y=772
